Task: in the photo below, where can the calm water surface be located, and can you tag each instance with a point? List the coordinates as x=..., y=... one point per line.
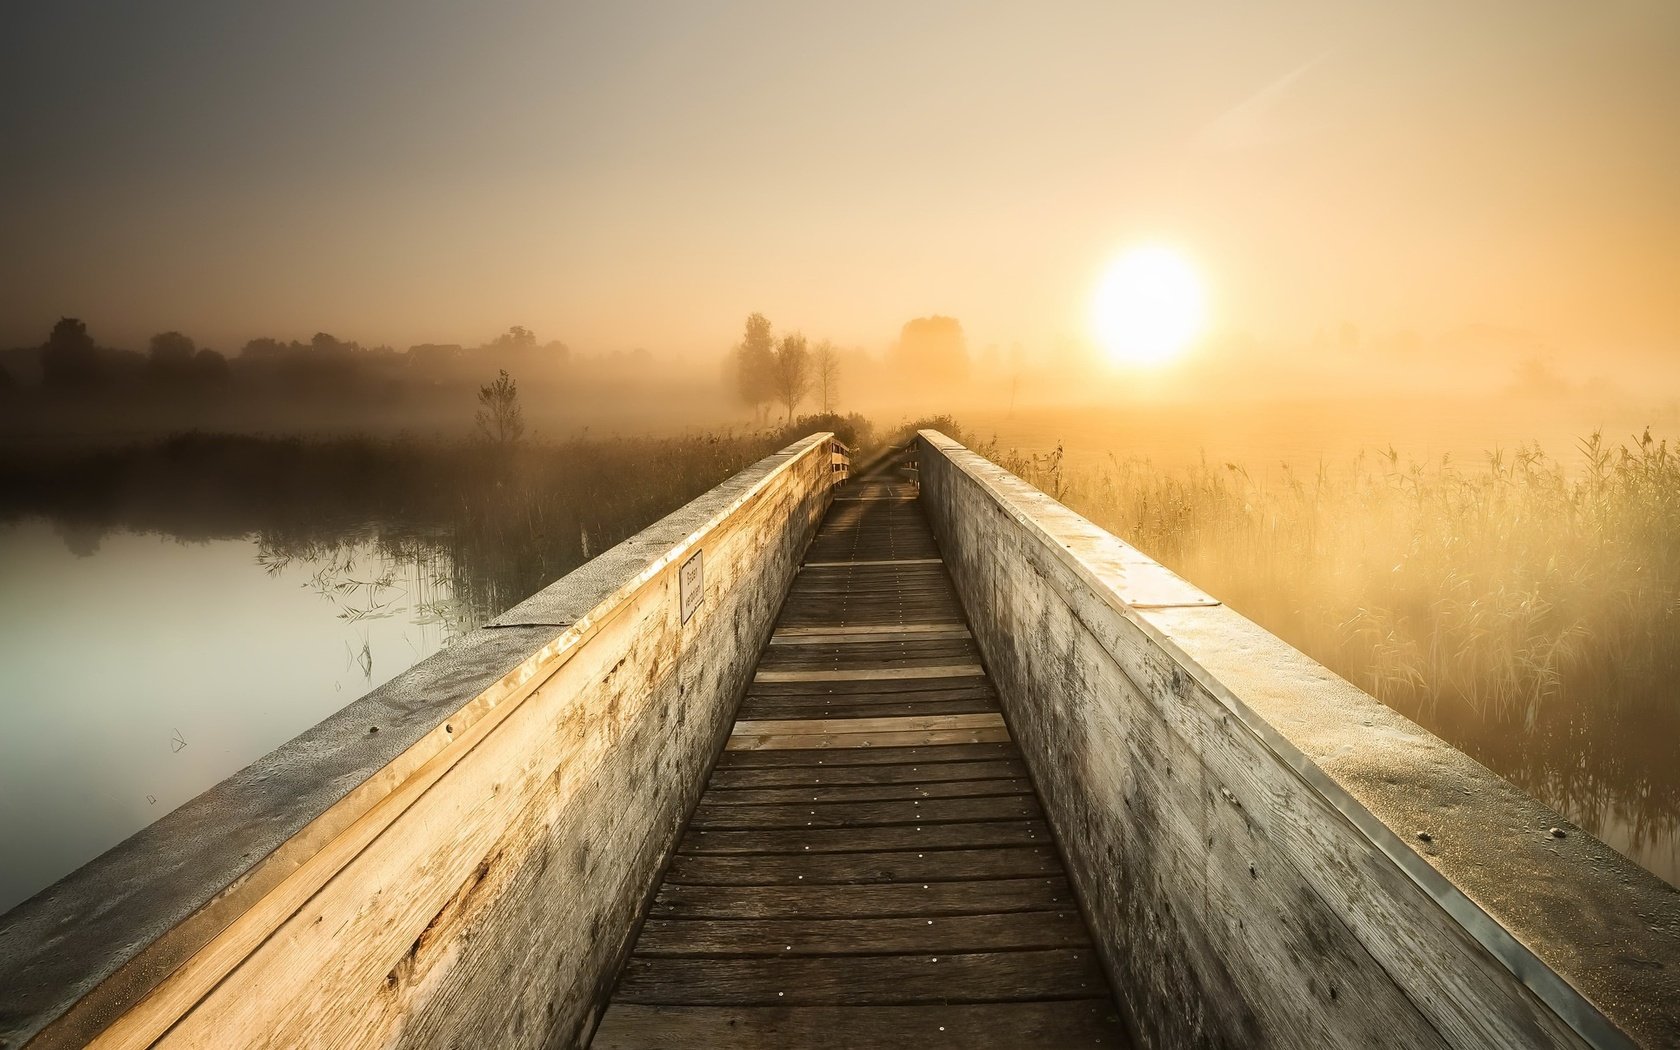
x=138, y=673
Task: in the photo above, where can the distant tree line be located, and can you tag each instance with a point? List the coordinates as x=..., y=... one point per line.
x=768, y=371
x=71, y=363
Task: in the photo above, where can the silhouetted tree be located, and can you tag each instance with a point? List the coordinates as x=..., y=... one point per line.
x=170, y=358
x=825, y=368
x=324, y=344
x=518, y=339
x=790, y=372
x=210, y=367
x=69, y=358
x=754, y=365
x=500, y=418
x=265, y=348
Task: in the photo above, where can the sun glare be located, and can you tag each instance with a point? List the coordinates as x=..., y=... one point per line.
x=1149, y=306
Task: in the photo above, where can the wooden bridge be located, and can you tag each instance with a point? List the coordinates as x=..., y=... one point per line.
x=915, y=758
x=869, y=836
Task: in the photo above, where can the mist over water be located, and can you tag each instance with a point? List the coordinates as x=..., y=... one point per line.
x=138, y=670
x=328, y=332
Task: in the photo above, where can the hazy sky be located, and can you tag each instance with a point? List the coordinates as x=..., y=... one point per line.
x=624, y=174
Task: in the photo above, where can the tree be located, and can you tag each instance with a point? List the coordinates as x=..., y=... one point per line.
x=69, y=358
x=264, y=348
x=825, y=367
x=170, y=357
x=754, y=365
x=790, y=372
x=516, y=339
x=500, y=418
x=210, y=367
x=325, y=344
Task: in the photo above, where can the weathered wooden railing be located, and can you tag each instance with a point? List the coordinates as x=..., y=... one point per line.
x=460, y=857
x=1268, y=856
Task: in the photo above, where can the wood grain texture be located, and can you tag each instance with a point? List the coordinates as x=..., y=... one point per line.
x=881, y=839
x=912, y=738
x=1241, y=888
x=913, y=790
x=928, y=865
x=993, y=977
x=486, y=892
x=915, y=757
x=970, y=1026
x=873, y=674
x=882, y=773
x=868, y=839
x=913, y=900
x=853, y=935
x=825, y=726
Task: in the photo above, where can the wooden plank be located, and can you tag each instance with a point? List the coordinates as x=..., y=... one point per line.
x=1063, y=973
x=809, y=900
x=926, y=585
x=945, y=691
x=803, y=775
x=949, y=671
x=972, y=835
x=802, y=741
x=840, y=636
x=710, y=815
x=785, y=633
x=975, y=685
x=792, y=938
x=820, y=610
x=914, y=756
x=868, y=725
x=873, y=561
x=878, y=657
x=1014, y=786
x=953, y=865
x=847, y=708
x=942, y=691
x=976, y=1026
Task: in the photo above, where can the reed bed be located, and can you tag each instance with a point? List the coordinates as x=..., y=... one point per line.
x=1524, y=607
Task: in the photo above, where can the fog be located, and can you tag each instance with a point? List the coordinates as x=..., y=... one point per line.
x=1364, y=189
x=415, y=309
x=1341, y=392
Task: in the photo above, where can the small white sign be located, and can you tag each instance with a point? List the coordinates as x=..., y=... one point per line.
x=692, y=578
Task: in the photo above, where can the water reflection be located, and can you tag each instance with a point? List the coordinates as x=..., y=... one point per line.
x=1609, y=767
x=169, y=613
x=136, y=670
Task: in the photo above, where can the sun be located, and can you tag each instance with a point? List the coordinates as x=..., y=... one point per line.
x=1149, y=306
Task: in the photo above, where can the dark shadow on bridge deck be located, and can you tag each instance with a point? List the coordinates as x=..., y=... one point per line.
x=869, y=865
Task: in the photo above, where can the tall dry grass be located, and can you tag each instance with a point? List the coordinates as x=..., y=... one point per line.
x=1525, y=608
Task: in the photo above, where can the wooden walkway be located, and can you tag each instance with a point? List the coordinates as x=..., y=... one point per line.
x=868, y=866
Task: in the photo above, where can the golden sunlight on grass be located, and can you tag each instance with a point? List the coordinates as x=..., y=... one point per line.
x=1149, y=306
